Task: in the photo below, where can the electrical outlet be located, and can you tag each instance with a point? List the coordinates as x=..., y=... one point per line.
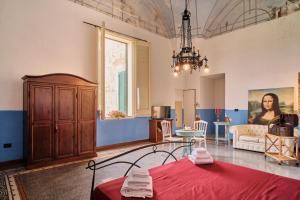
x=7, y=145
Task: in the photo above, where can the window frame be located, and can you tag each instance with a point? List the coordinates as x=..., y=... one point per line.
x=131, y=60
x=107, y=36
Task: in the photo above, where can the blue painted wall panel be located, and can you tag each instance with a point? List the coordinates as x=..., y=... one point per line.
x=122, y=130
x=210, y=116
x=11, y=123
x=108, y=131
x=238, y=117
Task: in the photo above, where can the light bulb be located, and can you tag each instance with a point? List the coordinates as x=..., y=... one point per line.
x=177, y=68
x=206, y=69
x=175, y=74
x=186, y=66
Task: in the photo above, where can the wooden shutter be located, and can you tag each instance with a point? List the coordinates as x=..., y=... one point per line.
x=142, y=78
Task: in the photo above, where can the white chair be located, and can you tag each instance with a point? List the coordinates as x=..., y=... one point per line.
x=167, y=132
x=201, y=137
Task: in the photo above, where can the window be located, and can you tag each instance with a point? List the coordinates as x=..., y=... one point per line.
x=123, y=75
x=116, y=77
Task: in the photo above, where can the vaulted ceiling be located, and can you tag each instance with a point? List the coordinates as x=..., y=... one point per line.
x=208, y=17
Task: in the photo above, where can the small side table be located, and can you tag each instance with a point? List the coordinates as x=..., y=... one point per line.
x=226, y=124
x=187, y=135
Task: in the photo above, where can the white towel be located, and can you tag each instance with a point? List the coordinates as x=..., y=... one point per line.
x=201, y=155
x=199, y=150
x=137, y=191
x=200, y=161
x=138, y=180
x=140, y=172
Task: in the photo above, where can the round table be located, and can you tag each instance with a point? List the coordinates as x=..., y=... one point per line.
x=187, y=135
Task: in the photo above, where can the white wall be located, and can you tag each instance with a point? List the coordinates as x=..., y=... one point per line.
x=211, y=92
x=205, y=93
x=261, y=56
x=39, y=37
x=49, y=36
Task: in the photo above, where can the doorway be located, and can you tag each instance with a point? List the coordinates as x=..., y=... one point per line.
x=212, y=96
x=189, y=109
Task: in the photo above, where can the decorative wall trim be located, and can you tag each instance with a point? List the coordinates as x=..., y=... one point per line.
x=125, y=144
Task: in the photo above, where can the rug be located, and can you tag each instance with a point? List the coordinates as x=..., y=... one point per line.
x=73, y=181
x=4, y=194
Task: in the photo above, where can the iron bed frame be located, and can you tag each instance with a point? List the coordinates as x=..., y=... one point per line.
x=92, y=165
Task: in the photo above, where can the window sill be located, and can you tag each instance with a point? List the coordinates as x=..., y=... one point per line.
x=132, y=117
x=108, y=118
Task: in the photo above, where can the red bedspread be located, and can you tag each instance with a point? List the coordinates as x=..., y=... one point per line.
x=186, y=181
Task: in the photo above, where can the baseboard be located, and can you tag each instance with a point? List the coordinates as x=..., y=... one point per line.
x=61, y=161
x=125, y=144
x=11, y=163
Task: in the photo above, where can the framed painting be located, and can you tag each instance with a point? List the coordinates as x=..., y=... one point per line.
x=265, y=104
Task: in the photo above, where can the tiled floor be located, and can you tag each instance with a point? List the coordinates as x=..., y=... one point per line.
x=74, y=181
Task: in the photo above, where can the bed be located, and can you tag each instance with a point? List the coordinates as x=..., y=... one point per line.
x=183, y=180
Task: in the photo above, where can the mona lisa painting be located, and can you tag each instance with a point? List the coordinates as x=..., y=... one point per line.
x=265, y=104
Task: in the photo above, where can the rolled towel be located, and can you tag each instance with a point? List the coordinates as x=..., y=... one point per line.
x=137, y=191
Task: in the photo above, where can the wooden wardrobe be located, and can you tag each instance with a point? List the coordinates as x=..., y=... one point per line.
x=60, y=119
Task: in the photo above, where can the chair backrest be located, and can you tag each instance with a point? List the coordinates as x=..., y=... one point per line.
x=201, y=125
x=166, y=128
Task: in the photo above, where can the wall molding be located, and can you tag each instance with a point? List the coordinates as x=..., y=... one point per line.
x=125, y=144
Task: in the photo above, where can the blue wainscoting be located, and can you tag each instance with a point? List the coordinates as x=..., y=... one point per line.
x=11, y=132
x=238, y=117
x=115, y=131
x=210, y=116
x=108, y=132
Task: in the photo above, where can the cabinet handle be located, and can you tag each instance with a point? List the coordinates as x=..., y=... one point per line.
x=56, y=128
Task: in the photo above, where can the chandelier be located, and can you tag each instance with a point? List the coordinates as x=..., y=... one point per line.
x=187, y=59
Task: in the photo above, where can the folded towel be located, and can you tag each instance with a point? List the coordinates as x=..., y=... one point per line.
x=201, y=155
x=140, y=172
x=138, y=180
x=200, y=161
x=128, y=190
x=199, y=150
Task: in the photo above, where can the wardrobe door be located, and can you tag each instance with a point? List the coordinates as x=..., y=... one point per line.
x=41, y=123
x=86, y=120
x=65, y=121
